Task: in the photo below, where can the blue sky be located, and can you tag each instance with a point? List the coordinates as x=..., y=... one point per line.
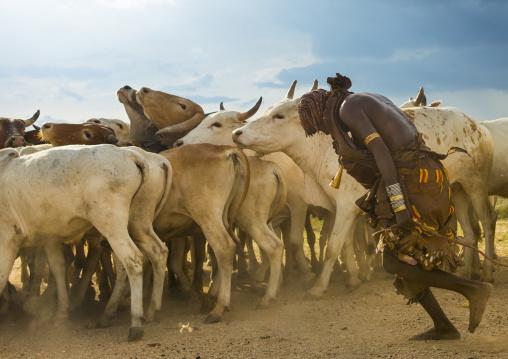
x=68, y=58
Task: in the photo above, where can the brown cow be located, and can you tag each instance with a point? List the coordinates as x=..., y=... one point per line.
x=13, y=130
x=150, y=111
x=88, y=133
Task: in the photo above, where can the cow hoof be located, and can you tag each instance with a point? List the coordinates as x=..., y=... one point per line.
x=309, y=278
x=313, y=297
x=261, y=306
x=102, y=323
x=212, y=318
x=135, y=333
x=475, y=276
x=488, y=278
x=354, y=283
x=207, y=305
x=150, y=315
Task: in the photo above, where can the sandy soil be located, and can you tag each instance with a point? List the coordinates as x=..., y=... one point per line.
x=371, y=322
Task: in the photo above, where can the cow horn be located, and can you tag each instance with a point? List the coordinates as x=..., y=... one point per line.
x=36, y=127
x=291, y=91
x=417, y=102
x=314, y=85
x=31, y=120
x=186, y=125
x=242, y=117
x=222, y=106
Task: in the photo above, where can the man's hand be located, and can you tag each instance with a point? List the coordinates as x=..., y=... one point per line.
x=405, y=223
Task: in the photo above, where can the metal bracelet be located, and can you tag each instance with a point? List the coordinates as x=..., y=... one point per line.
x=398, y=203
x=393, y=190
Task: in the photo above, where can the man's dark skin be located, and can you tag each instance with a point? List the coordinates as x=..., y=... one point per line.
x=364, y=114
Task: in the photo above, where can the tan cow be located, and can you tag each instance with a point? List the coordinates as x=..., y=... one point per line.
x=88, y=133
x=266, y=195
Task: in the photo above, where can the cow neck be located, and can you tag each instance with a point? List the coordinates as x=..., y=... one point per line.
x=313, y=154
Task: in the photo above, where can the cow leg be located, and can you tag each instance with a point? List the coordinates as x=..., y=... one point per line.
x=311, y=240
x=324, y=236
x=298, y=218
x=461, y=203
x=176, y=264
x=157, y=252
x=251, y=255
x=342, y=232
x=224, y=249
x=242, y=266
x=25, y=258
x=79, y=262
x=119, y=290
x=289, y=265
x=361, y=240
x=8, y=254
x=200, y=253
x=107, y=267
x=92, y=260
x=273, y=249
x=132, y=260
x=487, y=215
x=348, y=257
x=56, y=263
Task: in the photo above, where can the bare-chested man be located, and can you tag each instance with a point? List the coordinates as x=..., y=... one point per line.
x=380, y=147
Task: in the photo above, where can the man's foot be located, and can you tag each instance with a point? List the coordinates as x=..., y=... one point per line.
x=477, y=303
x=434, y=334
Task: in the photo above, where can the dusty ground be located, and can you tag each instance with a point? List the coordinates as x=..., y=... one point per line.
x=371, y=322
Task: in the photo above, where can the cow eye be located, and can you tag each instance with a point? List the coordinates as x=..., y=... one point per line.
x=120, y=125
x=88, y=134
x=217, y=124
x=279, y=116
x=183, y=106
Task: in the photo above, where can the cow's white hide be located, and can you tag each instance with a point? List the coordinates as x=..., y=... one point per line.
x=279, y=129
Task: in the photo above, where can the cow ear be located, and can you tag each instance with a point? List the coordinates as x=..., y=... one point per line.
x=112, y=139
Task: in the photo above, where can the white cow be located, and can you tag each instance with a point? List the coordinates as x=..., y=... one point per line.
x=77, y=188
x=279, y=129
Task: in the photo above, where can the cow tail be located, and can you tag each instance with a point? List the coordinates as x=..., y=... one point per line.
x=280, y=198
x=168, y=171
x=143, y=168
x=238, y=191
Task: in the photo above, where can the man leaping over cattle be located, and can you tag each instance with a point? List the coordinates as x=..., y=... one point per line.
x=408, y=190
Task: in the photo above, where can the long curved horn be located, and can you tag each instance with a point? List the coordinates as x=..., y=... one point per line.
x=314, y=85
x=186, y=125
x=222, y=106
x=291, y=91
x=31, y=120
x=244, y=116
x=417, y=102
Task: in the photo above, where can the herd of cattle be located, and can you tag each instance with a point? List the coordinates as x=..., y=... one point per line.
x=176, y=176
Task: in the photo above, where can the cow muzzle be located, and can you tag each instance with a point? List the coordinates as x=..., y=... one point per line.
x=15, y=141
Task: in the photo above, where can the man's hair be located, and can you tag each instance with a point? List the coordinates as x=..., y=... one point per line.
x=311, y=108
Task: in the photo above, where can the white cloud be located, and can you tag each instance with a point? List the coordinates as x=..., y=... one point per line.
x=128, y=4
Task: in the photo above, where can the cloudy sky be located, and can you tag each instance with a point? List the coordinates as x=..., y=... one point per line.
x=68, y=58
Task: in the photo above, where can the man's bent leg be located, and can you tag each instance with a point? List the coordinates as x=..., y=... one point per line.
x=477, y=293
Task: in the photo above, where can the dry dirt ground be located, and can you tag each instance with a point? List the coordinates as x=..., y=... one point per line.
x=371, y=322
